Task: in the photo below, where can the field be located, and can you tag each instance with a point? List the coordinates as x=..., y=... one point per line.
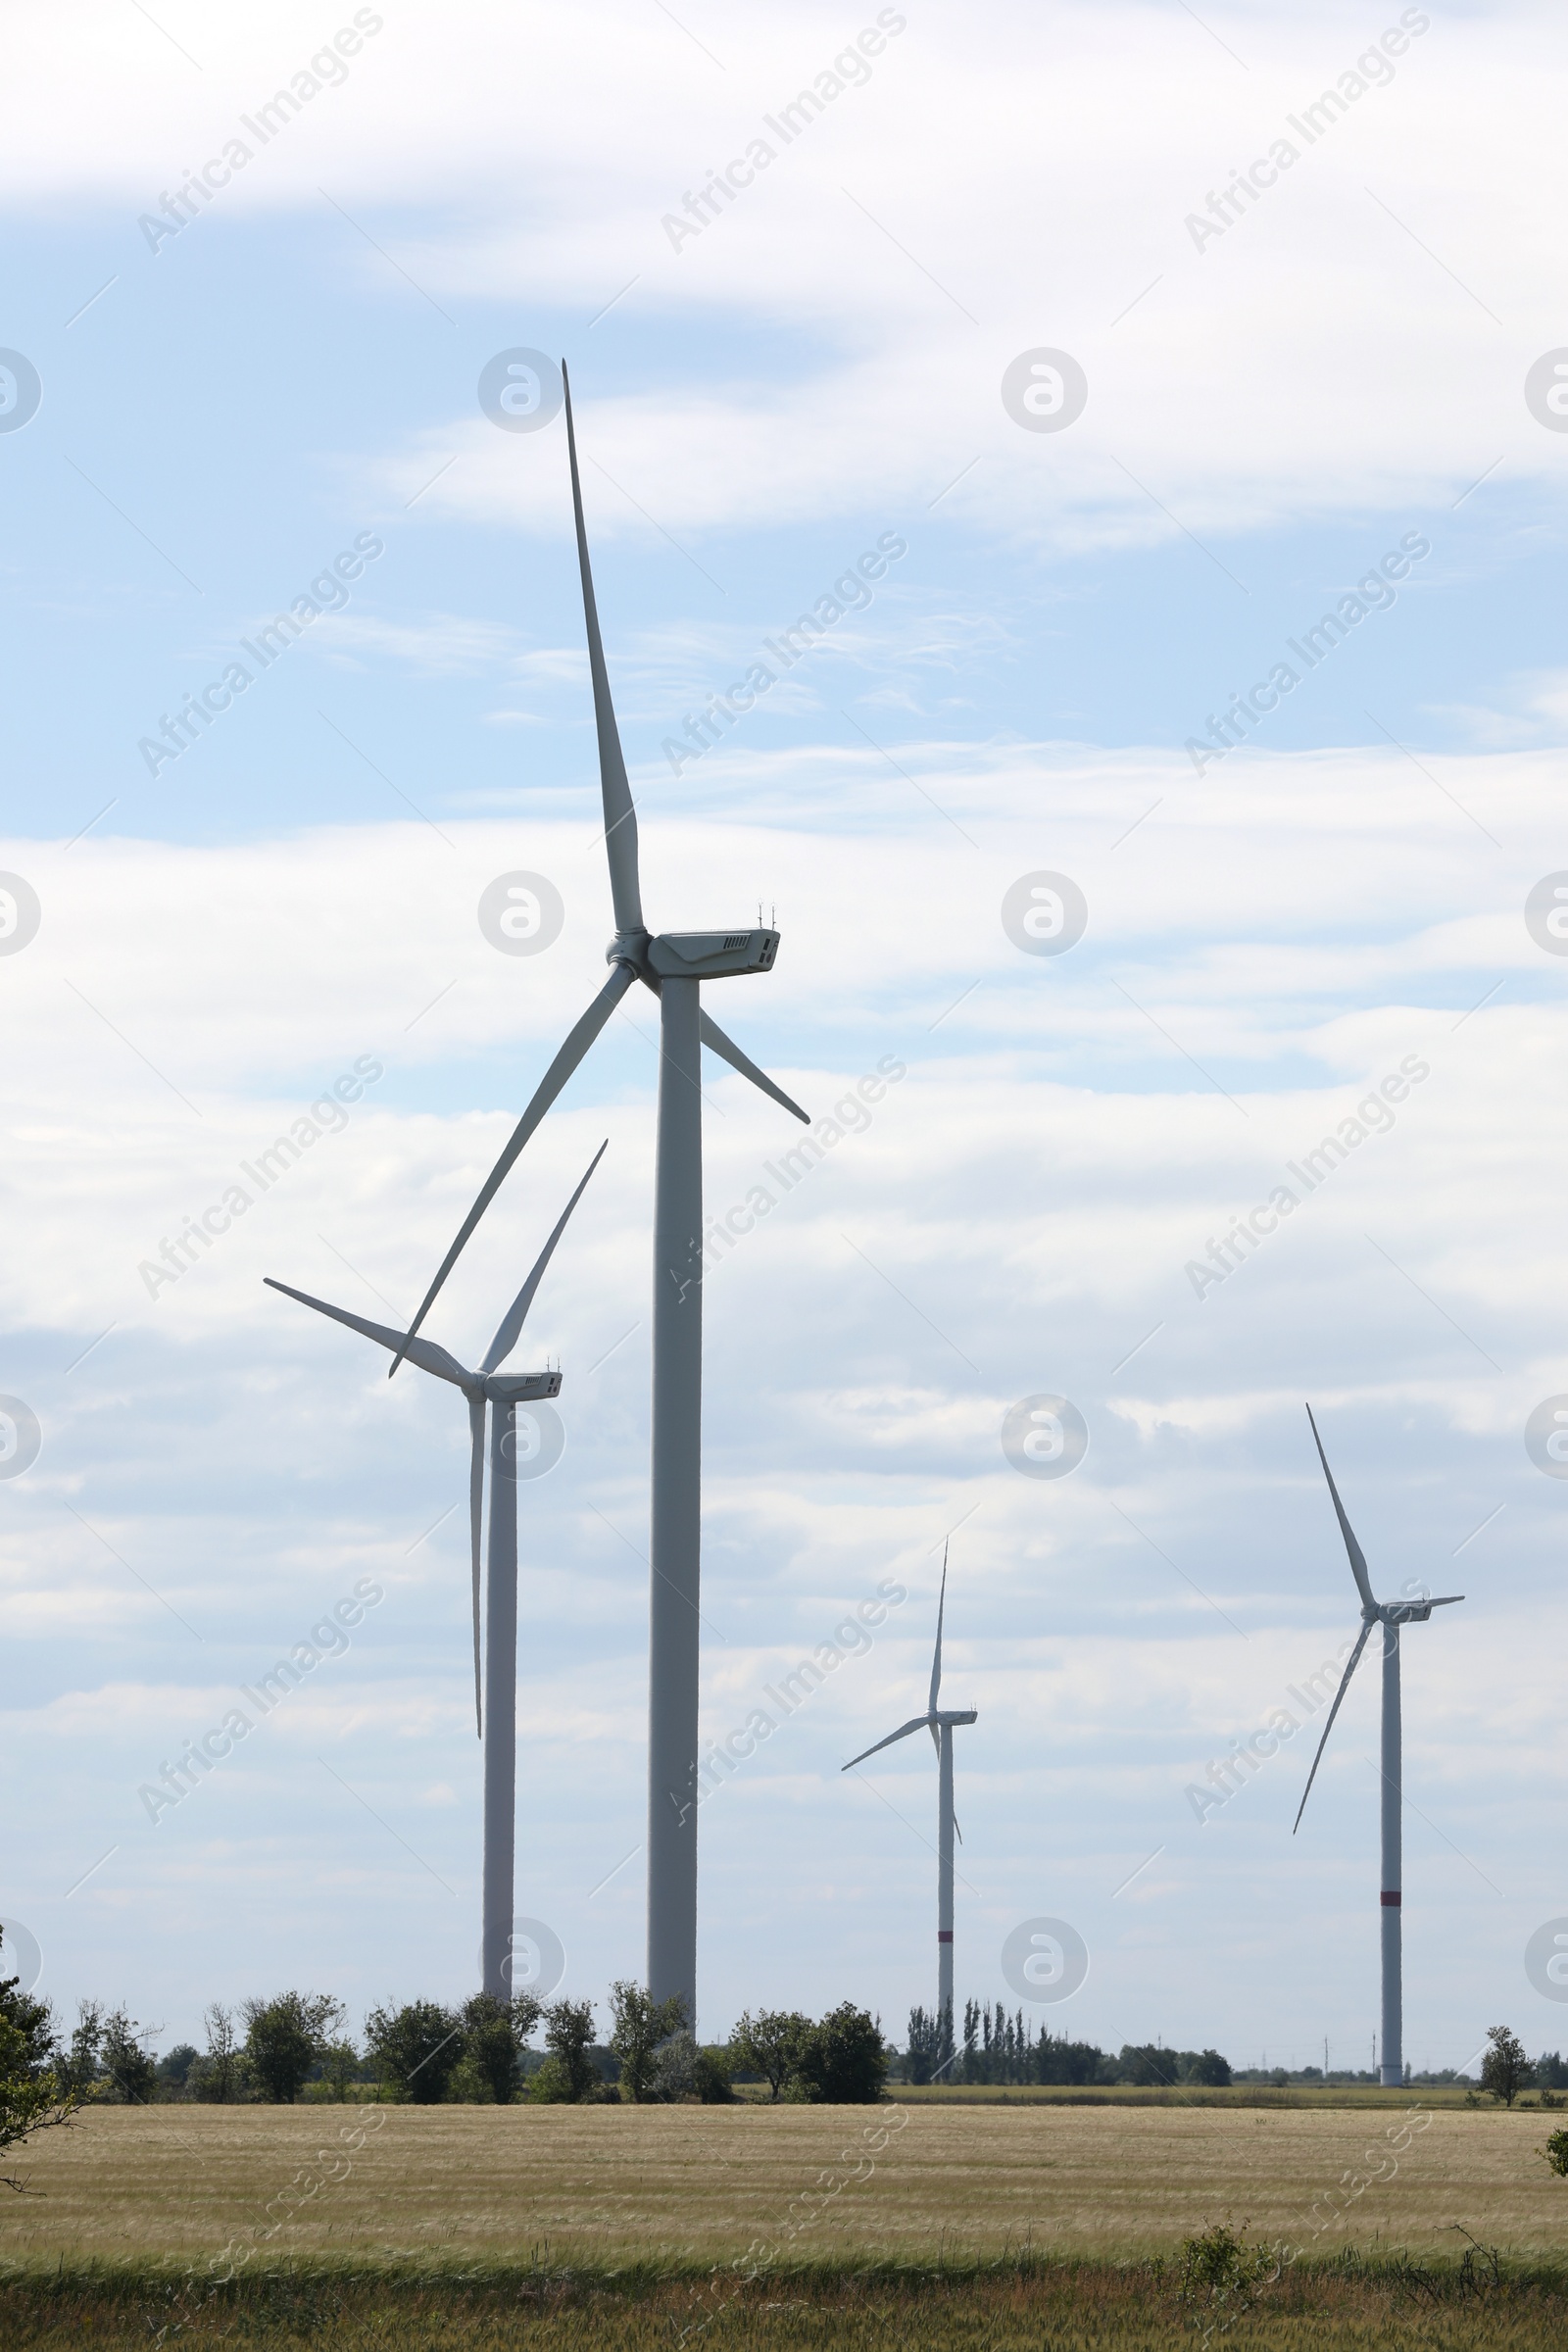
x=1045, y=2224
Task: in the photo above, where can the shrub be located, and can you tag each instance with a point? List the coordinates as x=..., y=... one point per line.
x=284, y=2038
x=340, y=2066
x=1218, y=2268
x=568, y=2038
x=130, y=2074
x=1555, y=2152
x=175, y=2067
x=218, y=2075
x=683, y=2070
x=770, y=2044
x=416, y=2050
x=495, y=2034
x=32, y=2095
x=641, y=2025
x=843, y=2060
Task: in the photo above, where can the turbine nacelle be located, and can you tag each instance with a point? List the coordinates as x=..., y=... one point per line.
x=693, y=954
x=1411, y=1612
x=518, y=1388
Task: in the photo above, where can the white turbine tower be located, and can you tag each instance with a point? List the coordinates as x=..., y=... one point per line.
x=1391, y=1615
x=673, y=965
x=496, y=1716
x=939, y=1723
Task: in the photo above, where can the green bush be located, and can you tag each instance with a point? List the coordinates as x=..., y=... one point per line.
x=416, y=2050
x=1555, y=2152
x=285, y=2037
x=495, y=2035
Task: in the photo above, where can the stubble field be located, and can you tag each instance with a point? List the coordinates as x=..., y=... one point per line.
x=1048, y=2226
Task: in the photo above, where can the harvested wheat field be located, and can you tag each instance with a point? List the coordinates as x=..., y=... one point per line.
x=676, y=2189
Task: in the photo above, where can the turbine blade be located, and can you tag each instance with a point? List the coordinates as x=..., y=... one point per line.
x=475, y=1522
x=620, y=815
x=957, y=1832
x=936, y=1662
x=578, y=1040
x=727, y=1050
x=903, y=1733
x=1363, y=1583
x=424, y=1352
x=509, y=1328
x=1445, y=1600
x=1355, y=1656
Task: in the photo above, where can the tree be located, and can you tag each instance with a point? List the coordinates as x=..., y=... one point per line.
x=845, y=2061
x=131, y=2070
x=174, y=2066
x=495, y=2034
x=1208, y=2067
x=284, y=2038
x=32, y=2095
x=683, y=2070
x=1555, y=2152
x=416, y=2048
x=218, y=2075
x=1505, y=2070
x=925, y=2046
x=770, y=2044
x=641, y=2025
x=340, y=2064
x=569, y=2073
x=79, y=2065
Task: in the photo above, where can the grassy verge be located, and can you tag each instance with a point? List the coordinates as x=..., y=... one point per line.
x=1043, y=2306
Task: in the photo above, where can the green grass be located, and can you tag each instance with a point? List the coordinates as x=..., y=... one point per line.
x=1033, y=2306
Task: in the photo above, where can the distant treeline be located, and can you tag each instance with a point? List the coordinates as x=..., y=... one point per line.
x=999, y=2047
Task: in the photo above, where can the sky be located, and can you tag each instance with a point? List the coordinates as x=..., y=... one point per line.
x=1122, y=354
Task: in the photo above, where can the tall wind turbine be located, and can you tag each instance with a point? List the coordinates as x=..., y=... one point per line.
x=939, y=1722
x=1391, y=1615
x=673, y=964
x=495, y=1715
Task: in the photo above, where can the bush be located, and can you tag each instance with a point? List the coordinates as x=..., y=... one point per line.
x=1555, y=2152
x=284, y=2038
x=843, y=2061
x=568, y=2038
x=175, y=2067
x=770, y=2044
x=642, y=2025
x=495, y=2034
x=129, y=2073
x=416, y=2050
x=683, y=2070
x=32, y=2095
x=218, y=2075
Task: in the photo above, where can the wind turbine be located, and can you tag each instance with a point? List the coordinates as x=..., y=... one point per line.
x=939, y=1723
x=496, y=1717
x=673, y=964
x=1391, y=1615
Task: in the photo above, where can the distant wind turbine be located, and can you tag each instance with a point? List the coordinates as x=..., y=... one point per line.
x=673, y=965
x=1391, y=1615
x=496, y=1716
x=939, y=1722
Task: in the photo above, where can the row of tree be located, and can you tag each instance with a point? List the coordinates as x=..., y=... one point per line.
x=999, y=2047
x=480, y=2052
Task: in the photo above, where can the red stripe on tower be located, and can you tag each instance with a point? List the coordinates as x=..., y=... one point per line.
x=1391, y=1901
x=945, y=1934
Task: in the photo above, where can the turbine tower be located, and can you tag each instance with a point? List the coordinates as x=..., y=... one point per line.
x=496, y=1714
x=673, y=965
x=1391, y=1615
x=939, y=1723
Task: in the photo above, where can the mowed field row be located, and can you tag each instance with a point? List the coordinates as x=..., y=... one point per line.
x=684, y=2187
